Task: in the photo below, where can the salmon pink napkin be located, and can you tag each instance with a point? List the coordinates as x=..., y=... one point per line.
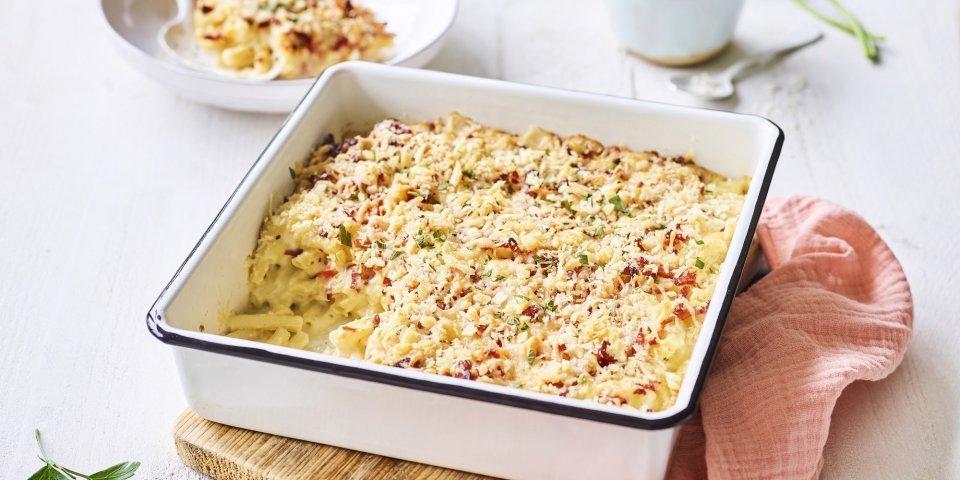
x=835, y=308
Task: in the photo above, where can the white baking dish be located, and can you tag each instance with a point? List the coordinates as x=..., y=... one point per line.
x=404, y=413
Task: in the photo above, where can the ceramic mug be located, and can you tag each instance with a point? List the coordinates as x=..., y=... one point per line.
x=675, y=32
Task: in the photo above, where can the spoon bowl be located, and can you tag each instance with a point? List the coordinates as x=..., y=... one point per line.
x=720, y=85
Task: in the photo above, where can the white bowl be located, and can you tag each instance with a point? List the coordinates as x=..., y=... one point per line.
x=420, y=27
x=406, y=413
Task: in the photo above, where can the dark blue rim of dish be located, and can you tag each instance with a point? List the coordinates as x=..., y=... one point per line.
x=156, y=327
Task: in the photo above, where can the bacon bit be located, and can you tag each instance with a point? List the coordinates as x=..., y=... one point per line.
x=474, y=277
x=678, y=159
x=366, y=273
x=327, y=273
x=681, y=312
x=562, y=347
x=347, y=144
x=531, y=311
x=689, y=278
x=670, y=241
x=603, y=357
x=507, y=249
x=615, y=400
x=205, y=9
x=413, y=285
x=651, y=386
x=213, y=36
x=482, y=328
x=558, y=384
x=464, y=370
x=500, y=343
x=403, y=363
x=301, y=40
x=349, y=329
x=399, y=129
x=355, y=280
x=492, y=353
x=202, y=328
x=387, y=282
x=631, y=351
x=376, y=320
x=702, y=308
x=512, y=178
x=341, y=42
x=293, y=252
x=685, y=291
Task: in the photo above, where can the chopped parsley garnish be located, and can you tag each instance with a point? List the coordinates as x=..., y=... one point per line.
x=583, y=380
x=551, y=306
x=498, y=315
x=381, y=245
x=565, y=204
x=544, y=261
x=498, y=278
x=443, y=186
x=511, y=321
x=396, y=254
x=583, y=259
x=699, y=263
x=660, y=227
x=596, y=234
x=522, y=297
x=293, y=173
x=469, y=174
x=617, y=203
x=345, y=237
x=431, y=267
x=524, y=326
x=439, y=236
x=355, y=196
x=487, y=273
x=699, y=242
x=423, y=242
x=531, y=357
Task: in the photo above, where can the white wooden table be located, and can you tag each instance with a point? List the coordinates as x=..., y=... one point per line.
x=107, y=180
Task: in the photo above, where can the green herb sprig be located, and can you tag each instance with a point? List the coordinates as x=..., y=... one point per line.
x=850, y=24
x=54, y=471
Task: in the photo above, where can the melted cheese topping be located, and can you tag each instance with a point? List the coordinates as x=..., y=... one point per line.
x=550, y=264
x=300, y=38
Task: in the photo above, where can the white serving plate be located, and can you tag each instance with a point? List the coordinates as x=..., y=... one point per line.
x=420, y=26
x=405, y=413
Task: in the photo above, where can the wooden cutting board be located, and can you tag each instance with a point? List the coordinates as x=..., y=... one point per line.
x=228, y=453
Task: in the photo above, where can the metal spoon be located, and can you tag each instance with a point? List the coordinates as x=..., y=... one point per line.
x=717, y=86
x=176, y=40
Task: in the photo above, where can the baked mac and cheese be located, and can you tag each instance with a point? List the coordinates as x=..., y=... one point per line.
x=299, y=38
x=552, y=264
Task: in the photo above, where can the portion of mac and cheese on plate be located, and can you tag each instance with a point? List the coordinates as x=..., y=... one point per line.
x=557, y=265
x=299, y=38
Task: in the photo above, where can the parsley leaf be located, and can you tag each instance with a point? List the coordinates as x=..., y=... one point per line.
x=498, y=278
x=345, y=237
x=524, y=326
x=531, y=357
x=700, y=263
x=617, y=203
x=565, y=204
x=583, y=259
x=423, y=242
x=469, y=174
x=396, y=254
x=293, y=173
x=381, y=245
x=699, y=242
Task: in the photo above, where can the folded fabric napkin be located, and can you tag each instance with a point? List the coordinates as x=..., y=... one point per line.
x=835, y=308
